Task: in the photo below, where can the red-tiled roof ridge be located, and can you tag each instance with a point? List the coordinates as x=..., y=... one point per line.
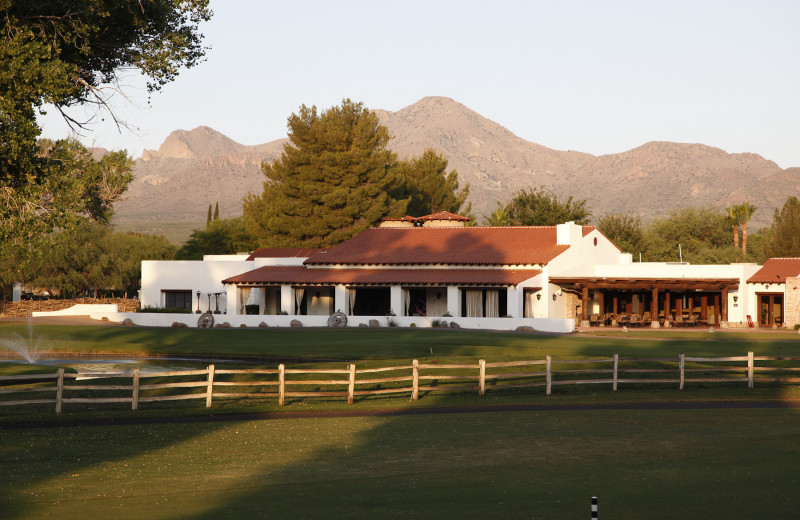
x=284, y=252
x=776, y=270
x=445, y=215
x=369, y=276
x=479, y=245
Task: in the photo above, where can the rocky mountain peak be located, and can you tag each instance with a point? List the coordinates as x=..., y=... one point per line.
x=202, y=141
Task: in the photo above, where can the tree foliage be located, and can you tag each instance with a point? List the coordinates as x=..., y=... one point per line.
x=220, y=237
x=783, y=237
x=430, y=187
x=625, y=231
x=67, y=53
x=332, y=181
x=539, y=207
x=72, y=188
x=91, y=257
x=695, y=235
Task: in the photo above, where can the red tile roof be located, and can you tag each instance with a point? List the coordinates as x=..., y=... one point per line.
x=452, y=246
x=305, y=275
x=283, y=252
x=775, y=270
x=445, y=215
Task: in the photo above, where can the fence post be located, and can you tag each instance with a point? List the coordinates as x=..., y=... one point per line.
x=594, y=508
x=135, y=396
x=616, y=372
x=750, y=369
x=281, y=383
x=351, y=387
x=681, y=368
x=482, y=377
x=59, y=389
x=549, y=374
x=415, y=380
x=210, y=391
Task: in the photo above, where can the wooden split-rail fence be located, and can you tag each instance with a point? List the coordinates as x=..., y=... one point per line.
x=291, y=383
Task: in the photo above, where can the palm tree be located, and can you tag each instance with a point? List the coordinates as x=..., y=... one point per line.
x=733, y=220
x=744, y=211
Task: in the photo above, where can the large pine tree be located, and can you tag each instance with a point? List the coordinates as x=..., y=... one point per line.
x=430, y=187
x=332, y=181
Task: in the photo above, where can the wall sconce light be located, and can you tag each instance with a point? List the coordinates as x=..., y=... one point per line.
x=554, y=296
x=198, y=303
x=538, y=296
x=735, y=299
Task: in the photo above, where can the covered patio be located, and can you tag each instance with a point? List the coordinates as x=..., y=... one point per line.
x=651, y=302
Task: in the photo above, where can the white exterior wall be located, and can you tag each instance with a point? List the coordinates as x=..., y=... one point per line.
x=188, y=275
x=252, y=321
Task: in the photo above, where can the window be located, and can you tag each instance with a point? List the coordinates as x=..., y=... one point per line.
x=177, y=299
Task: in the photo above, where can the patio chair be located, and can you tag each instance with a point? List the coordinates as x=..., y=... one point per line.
x=635, y=320
x=679, y=321
x=594, y=320
x=646, y=319
x=691, y=321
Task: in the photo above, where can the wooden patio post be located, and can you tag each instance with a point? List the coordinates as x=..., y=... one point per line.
x=704, y=306
x=724, y=305
x=667, y=307
x=615, y=306
x=654, y=307
x=584, y=304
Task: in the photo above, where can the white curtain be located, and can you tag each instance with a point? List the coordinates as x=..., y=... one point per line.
x=244, y=294
x=351, y=294
x=474, y=304
x=406, y=301
x=529, y=296
x=492, y=301
x=298, y=298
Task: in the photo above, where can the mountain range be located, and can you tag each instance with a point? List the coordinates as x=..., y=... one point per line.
x=194, y=169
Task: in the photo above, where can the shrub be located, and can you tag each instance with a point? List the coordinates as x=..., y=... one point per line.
x=165, y=310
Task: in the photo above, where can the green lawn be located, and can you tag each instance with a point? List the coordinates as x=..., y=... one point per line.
x=705, y=463
x=733, y=464
x=394, y=343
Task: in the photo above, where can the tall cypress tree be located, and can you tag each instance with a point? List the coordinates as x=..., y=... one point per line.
x=216, y=211
x=332, y=181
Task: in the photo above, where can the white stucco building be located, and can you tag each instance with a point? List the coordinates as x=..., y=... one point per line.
x=414, y=271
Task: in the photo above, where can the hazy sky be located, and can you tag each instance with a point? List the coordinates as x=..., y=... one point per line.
x=598, y=77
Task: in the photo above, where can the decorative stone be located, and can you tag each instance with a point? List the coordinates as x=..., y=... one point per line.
x=178, y=325
x=127, y=321
x=362, y=325
x=525, y=328
x=454, y=325
x=374, y=323
x=337, y=320
x=443, y=324
x=224, y=325
x=295, y=324
x=263, y=325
